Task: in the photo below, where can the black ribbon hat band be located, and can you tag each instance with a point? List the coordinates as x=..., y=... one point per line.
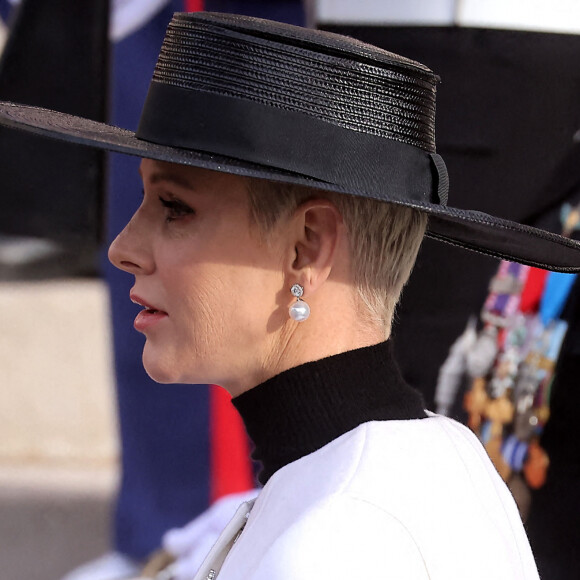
x=290, y=140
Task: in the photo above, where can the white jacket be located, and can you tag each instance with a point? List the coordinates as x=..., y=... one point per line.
x=397, y=500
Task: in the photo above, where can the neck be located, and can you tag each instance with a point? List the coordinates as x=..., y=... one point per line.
x=308, y=346
x=298, y=343
x=337, y=324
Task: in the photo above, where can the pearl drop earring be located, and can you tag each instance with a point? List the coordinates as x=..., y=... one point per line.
x=299, y=311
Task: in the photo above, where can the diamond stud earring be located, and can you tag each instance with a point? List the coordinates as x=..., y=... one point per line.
x=299, y=311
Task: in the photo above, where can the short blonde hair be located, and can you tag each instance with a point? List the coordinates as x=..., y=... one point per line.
x=384, y=239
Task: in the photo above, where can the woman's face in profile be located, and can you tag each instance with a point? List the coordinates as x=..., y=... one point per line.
x=208, y=283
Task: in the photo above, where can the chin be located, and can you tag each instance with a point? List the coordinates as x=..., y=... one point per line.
x=166, y=370
x=160, y=375
x=160, y=370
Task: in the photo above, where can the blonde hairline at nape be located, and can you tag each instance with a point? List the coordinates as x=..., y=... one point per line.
x=384, y=239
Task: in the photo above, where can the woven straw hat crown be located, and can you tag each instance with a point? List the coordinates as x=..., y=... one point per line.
x=336, y=79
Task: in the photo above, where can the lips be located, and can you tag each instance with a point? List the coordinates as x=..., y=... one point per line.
x=149, y=317
x=141, y=302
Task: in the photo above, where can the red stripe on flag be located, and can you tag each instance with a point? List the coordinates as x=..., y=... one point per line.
x=230, y=465
x=194, y=5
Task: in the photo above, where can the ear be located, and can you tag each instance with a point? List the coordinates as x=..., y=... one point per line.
x=318, y=226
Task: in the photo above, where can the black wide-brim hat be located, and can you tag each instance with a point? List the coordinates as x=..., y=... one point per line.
x=268, y=100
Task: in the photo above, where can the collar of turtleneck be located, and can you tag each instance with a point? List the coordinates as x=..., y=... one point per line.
x=304, y=408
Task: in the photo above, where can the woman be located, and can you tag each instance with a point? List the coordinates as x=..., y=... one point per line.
x=266, y=260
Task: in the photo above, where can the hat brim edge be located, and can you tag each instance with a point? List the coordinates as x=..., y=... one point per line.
x=467, y=229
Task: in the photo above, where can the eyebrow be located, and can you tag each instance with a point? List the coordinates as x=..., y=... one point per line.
x=159, y=176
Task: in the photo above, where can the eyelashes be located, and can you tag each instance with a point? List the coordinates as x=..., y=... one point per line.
x=175, y=209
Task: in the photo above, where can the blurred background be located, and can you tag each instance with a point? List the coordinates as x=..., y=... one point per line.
x=80, y=425
x=58, y=434
x=58, y=439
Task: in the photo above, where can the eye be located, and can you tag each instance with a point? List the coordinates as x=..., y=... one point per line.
x=175, y=209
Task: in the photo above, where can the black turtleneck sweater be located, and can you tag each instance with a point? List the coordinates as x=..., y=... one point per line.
x=306, y=407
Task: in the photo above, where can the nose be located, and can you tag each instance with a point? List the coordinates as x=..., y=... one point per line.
x=130, y=250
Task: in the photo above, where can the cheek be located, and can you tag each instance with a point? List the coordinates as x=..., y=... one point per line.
x=205, y=305
x=230, y=309
x=206, y=317
x=221, y=317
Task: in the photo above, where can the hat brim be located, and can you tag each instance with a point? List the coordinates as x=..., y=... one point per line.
x=472, y=230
